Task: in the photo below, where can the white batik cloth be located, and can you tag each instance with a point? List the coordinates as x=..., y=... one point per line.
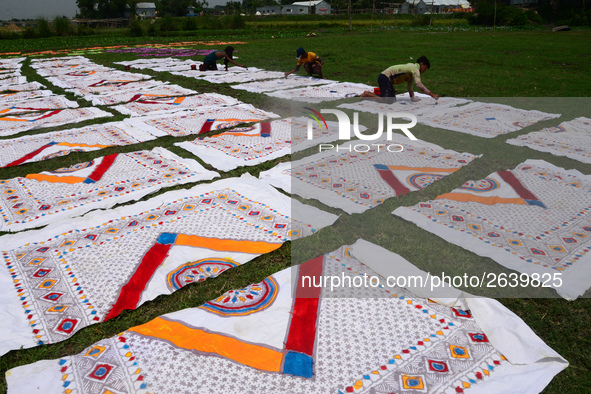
x=46, y=197
x=403, y=103
x=149, y=62
x=155, y=92
x=40, y=147
x=167, y=105
x=14, y=124
x=5, y=82
x=23, y=87
x=97, y=79
x=533, y=219
x=571, y=139
x=281, y=83
x=318, y=94
x=36, y=104
x=9, y=74
x=284, y=335
x=82, y=70
x=81, y=271
x=252, y=74
x=357, y=181
x=252, y=145
x=114, y=87
x=23, y=95
x=198, y=74
x=278, y=176
x=484, y=119
x=197, y=122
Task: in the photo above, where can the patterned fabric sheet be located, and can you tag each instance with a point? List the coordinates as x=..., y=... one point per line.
x=570, y=139
x=36, y=104
x=484, y=119
x=41, y=147
x=40, y=199
x=149, y=62
x=23, y=87
x=198, y=122
x=12, y=63
x=83, y=70
x=202, y=74
x=9, y=74
x=318, y=94
x=8, y=98
x=152, y=93
x=281, y=83
x=107, y=88
x=352, y=339
x=252, y=74
x=252, y=145
x=96, y=80
x=278, y=176
x=357, y=181
x=404, y=104
x=533, y=219
x=14, y=124
x=81, y=271
x=11, y=81
x=169, y=105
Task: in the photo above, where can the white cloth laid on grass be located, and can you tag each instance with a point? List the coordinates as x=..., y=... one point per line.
x=533, y=219
x=46, y=146
x=121, y=258
x=357, y=181
x=14, y=124
x=261, y=142
x=571, y=139
x=83, y=80
x=318, y=94
x=23, y=95
x=36, y=104
x=44, y=198
x=403, y=103
x=252, y=74
x=198, y=122
x=24, y=87
x=11, y=81
x=114, y=87
x=197, y=74
x=161, y=106
x=154, y=92
x=278, y=176
x=287, y=335
x=486, y=120
x=281, y=83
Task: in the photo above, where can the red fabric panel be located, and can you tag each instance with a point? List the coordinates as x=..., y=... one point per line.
x=133, y=289
x=100, y=170
x=302, y=328
x=28, y=156
x=206, y=127
x=394, y=183
x=516, y=185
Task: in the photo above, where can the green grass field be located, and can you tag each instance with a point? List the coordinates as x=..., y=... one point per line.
x=542, y=70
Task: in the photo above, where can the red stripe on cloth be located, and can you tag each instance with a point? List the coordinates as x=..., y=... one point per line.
x=516, y=185
x=100, y=170
x=137, y=96
x=265, y=128
x=28, y=156
x=206, y=127
x=394, y=183
x=57, y=111
x=304, y=312
x=131, y=292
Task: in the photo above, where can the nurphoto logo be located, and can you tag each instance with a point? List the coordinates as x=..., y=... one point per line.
x=345, y=129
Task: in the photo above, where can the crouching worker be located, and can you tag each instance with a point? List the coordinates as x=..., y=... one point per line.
x=312, y=63
x=209, y=63
x=401, y=73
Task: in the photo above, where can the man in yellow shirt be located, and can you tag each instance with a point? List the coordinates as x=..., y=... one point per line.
x=312, y=63
x=395, y=75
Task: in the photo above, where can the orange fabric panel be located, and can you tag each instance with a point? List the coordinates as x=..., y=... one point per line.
x=465, y=197
x=228, y=245
x=56, y=179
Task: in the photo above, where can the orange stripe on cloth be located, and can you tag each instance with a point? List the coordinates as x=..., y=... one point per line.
x=465, y=197
x=237, y=134
x=56, y=179
x=83, y=145
x=423, y=169
x=184, y=337
x=227, y=245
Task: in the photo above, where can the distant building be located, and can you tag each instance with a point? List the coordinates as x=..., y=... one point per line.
x=434, y=6
x=319, y=7
x=145, y=10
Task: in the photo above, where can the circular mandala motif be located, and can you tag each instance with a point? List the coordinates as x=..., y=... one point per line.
x=61, y=153
x=245, y=129
x=483, y=185
x=251, y=299
x=227, y=124
x=73, y=168
x=198, y=271
x=423, y=180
